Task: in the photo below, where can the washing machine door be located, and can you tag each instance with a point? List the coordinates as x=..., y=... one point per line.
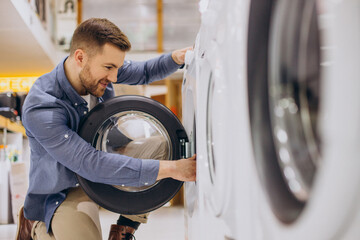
x=214, y=129
x=138, y=127
x=288, y=134
x=297, y=53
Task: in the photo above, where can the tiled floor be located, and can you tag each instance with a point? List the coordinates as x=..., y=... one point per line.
x=164, y=224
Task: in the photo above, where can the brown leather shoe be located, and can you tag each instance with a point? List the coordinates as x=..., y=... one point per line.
x=24, y=227
x=120, y=232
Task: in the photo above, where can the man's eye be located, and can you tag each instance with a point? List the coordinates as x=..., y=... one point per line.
x=108, y=67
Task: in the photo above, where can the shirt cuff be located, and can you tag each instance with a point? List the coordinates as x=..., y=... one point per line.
x=149, y=171
x=171, y=63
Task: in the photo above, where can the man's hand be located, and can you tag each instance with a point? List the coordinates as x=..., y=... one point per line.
x=179, y=55
x=182, y=170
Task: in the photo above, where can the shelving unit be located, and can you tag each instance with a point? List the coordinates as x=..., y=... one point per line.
x=6, y=123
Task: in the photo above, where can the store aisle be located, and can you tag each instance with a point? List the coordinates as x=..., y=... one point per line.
x=164, y=224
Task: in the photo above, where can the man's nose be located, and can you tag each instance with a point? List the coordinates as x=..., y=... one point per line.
x=112, y=77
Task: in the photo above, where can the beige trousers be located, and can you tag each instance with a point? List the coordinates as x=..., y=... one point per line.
x=77, y=218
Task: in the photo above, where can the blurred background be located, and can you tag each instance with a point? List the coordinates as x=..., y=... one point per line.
x=35, y=36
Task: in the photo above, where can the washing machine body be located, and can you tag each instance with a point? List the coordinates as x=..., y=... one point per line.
x=240, y=146
x=200, y=222
x=214, y=127
x=303, y=59
x=222, y=151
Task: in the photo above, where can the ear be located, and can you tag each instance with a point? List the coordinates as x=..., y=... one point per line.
x=80, y=57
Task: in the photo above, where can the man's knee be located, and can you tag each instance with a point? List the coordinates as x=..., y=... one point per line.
x=76, y=226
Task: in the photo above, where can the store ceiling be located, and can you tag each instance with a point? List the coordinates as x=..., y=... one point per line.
x=20, y=53
x=138, y=20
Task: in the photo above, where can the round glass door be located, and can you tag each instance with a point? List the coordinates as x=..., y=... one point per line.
x=137, y=127
x=209, y=130
x=134, y=134
x=217, y=131
x=294, y=93
x=284, y=84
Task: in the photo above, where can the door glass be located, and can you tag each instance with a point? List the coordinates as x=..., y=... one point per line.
x=134, y=134
x=209, y=129
x=296, y=63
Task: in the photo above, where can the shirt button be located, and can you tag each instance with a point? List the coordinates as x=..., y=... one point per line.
x=66, y=136
x=57, y=203
x=85, y=112
x=77, y=185
x=75, y=104
x=146, y=183
x=123, y=185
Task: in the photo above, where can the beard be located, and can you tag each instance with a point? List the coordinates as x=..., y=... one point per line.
x=90, y=84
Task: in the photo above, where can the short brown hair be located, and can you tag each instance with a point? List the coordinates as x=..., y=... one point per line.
x=92, y=34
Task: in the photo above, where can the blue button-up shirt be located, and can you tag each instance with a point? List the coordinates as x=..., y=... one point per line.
x=51, y=115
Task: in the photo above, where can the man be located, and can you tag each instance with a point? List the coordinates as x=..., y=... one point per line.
x=55, y=204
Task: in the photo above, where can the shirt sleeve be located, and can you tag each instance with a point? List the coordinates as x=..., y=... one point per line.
x=48, y=125
x=138, y=73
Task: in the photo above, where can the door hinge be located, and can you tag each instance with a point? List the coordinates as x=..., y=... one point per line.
x=185, y=149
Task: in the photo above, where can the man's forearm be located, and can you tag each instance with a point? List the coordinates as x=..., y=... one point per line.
x=166, y=169
x=183, y=169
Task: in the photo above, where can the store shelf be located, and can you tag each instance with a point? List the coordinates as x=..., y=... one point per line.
x=11, y=126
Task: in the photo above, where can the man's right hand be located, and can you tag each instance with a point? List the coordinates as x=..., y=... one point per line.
x=182, y=170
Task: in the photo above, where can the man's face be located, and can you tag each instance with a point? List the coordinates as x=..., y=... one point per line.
x=101, y=69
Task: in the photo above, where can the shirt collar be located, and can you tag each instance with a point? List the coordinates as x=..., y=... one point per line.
x=70, y=92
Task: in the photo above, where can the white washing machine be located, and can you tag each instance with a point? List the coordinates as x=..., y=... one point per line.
x=240, y=148
x=303, y=84
x=216, y=201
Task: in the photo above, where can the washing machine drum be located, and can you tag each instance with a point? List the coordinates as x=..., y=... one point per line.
x=138, y=127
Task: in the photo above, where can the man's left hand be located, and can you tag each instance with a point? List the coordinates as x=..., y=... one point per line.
x=179, y=55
